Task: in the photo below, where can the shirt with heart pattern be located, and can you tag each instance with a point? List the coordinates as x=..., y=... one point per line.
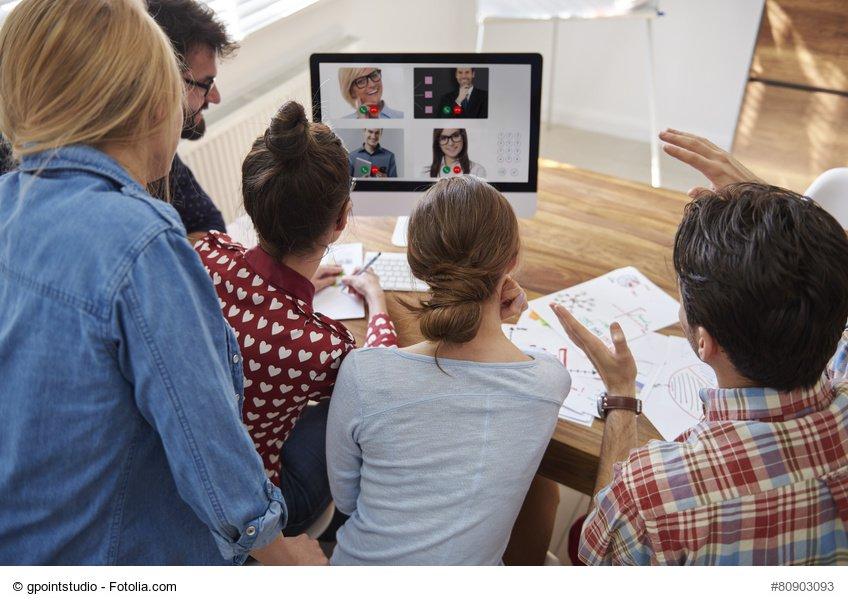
x=291, y=353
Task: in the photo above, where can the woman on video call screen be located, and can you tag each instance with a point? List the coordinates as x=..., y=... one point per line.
x=450, y=155
x=362, y=87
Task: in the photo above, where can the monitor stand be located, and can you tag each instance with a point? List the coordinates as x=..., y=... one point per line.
x=399, y=234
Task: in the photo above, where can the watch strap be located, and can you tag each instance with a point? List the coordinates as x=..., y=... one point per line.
x=607, y=402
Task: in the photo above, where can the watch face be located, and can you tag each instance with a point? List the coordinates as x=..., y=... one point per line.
x=601, y=412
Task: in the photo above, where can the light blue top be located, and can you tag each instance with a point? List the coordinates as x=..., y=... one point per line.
x=121, y=439
x=433, y=467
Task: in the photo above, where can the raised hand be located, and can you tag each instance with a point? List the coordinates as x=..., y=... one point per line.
x=717, y=165
x=615, y=365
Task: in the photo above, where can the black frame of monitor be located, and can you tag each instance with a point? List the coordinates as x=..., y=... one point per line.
x=534, y=60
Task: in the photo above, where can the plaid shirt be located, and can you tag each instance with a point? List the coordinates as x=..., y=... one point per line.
x=762, y=479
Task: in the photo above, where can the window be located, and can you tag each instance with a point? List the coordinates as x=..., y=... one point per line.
x=240, y=16
x=245, y=16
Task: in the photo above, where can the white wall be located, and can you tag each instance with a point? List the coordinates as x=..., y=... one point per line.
x=374, y=25
x=702, y=52
x=702, y=55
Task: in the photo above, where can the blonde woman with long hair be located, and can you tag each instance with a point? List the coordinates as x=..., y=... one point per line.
x=121, y=439
x=431, y=448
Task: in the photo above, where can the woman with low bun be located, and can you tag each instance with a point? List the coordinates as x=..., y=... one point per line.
x=432, y=448
x=296, y=189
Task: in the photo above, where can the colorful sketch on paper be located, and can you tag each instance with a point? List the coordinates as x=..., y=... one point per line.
x=624, y=296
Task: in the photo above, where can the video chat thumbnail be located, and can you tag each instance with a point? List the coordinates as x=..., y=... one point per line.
x=451, y=155
x=374, y=152
x=451, y=92
x=363, y=89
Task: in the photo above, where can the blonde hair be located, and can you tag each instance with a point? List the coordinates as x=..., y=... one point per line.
x=463, y=237
x=346, y=77
x=85, y=72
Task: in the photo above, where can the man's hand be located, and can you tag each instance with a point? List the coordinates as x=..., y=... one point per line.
x=513, y=299
x=325, y=276
x=291, y=551
x=367, y=286
x=616, y=366
x=709, y=159
x=464, y=91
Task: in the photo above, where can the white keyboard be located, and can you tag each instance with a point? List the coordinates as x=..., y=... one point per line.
x=394, y=272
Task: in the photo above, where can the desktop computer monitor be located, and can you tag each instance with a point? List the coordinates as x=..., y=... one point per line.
x=408, y=120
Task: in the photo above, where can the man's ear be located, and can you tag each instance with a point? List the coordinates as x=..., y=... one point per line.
x=706, y=346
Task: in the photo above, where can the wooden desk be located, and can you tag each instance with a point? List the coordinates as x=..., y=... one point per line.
x=586, y=225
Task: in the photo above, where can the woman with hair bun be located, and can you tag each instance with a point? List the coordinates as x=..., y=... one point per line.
x=431, y=448
x=296, y=189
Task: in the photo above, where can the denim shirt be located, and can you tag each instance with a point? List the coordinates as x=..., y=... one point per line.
x=120, y=381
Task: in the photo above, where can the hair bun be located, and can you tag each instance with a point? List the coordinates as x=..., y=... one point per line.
x=288, y=136
x=455, y=321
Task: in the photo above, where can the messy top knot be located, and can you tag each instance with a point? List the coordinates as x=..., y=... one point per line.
x=295, y=182
x=288, y=135
x=463, y=236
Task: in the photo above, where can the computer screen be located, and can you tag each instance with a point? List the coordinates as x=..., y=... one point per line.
x=408, y=120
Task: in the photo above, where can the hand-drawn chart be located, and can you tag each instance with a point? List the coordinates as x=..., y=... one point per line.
x=684, y=387
x=625, y=296
x=576, y=301
x=674, y=404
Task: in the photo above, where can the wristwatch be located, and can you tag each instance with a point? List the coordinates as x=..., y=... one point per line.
x=607, y=402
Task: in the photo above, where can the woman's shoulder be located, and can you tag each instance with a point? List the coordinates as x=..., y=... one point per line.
x=476, y=169
x=551, y=376
x=391, y=113
x=362, y=357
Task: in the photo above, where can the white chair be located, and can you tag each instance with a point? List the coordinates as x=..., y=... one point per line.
x=830, y=190
x=560, y=10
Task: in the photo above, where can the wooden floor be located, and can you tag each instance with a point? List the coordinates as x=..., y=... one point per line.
x=586, y=225
x=793, y=124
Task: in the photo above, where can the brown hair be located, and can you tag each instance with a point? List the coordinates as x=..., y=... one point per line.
x=463, y=236
x=295, y=181
x=85, y=72
x=765, y=271
x=189, y=24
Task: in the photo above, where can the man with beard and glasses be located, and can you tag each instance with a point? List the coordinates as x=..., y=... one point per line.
x=762, y=479
x=199, y=40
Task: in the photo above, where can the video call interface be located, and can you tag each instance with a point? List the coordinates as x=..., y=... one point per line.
x=423, y=122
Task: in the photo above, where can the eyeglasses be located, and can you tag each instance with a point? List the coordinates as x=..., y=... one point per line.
x=206, y=86
x=455, y=137
x=374, y=76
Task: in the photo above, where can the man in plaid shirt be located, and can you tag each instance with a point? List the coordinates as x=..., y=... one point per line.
x=763, y=478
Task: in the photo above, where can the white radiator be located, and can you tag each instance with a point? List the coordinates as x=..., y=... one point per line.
x=216, y=158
